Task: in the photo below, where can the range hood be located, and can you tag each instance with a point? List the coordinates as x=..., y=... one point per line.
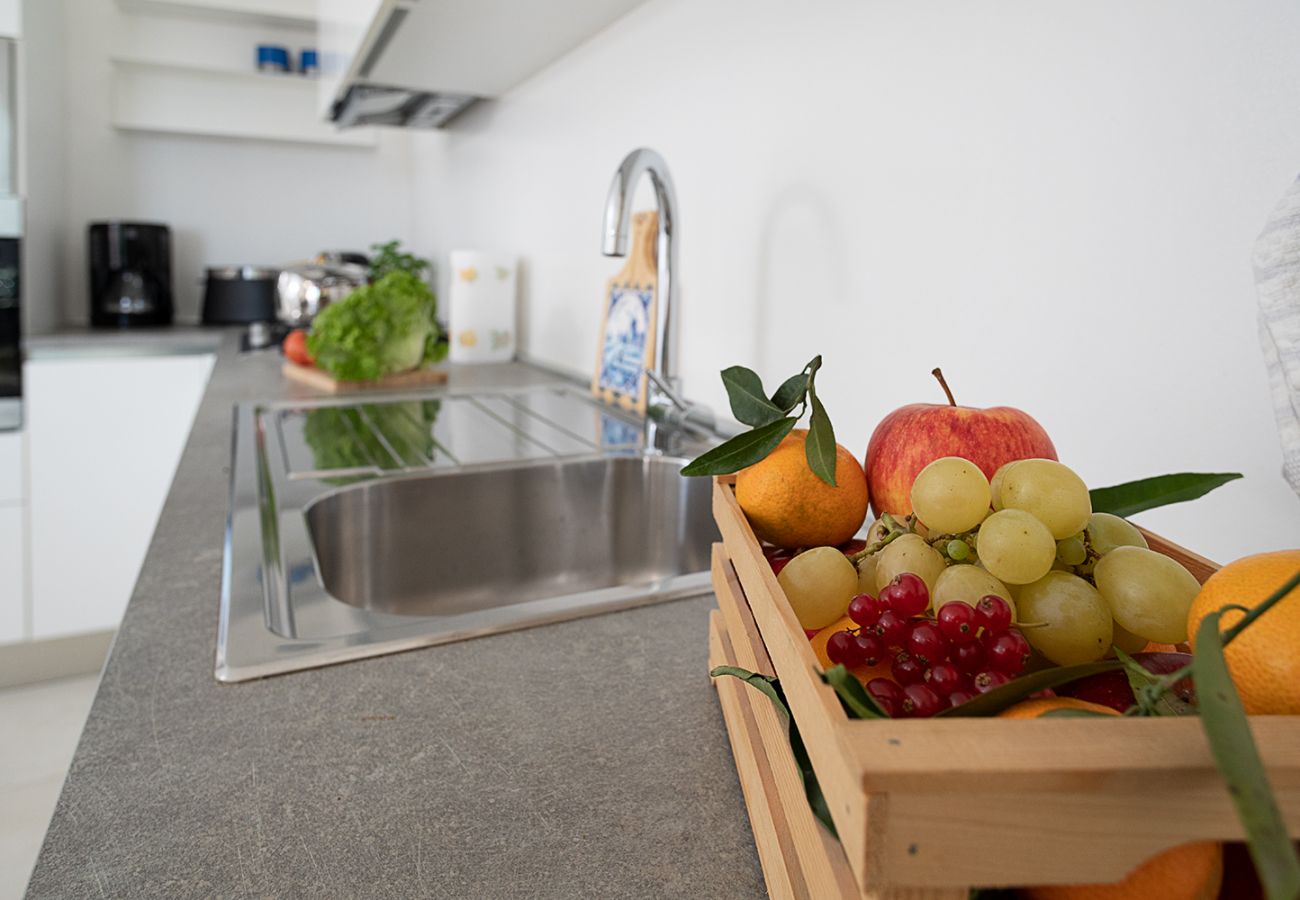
x=418, y=63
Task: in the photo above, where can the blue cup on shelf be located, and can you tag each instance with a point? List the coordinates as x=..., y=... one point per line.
x=272, y=58
x=309, y=61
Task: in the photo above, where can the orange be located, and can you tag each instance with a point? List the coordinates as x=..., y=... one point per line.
x=1188, y=872
x=1265, y=659
x=787, y=505
x=1032, y=709
x=863, y=673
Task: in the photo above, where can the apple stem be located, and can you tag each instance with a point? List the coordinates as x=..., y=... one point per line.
x=938, y=373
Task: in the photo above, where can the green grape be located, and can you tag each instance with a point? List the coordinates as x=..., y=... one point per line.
x=950, y=495
x=909, y=553
x=1106, y=532
x=1127, y=640
x=1050, y=492
x=957, y=550
x=1149, y=593
x=867, y=574
x=1015, y=547
x=995, y=486
x=1076, y=625
x=1071, y=551
x=819, y=583
x=968, y=584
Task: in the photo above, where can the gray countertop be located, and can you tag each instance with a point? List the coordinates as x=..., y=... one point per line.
x=585, y=759
x=83, y=342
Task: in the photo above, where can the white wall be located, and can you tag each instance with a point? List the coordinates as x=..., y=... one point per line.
x=1055, y=202
x=227, y=201
x=42, y=162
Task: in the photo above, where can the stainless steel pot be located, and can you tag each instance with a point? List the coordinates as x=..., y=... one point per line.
x=238, y=295
x=304, y=289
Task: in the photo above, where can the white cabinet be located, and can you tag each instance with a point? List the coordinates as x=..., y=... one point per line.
x=11, y=18
x=11, y=467
x=12, y=573
x=104, y=438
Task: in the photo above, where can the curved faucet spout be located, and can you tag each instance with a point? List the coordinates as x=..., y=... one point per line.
x=618, y=222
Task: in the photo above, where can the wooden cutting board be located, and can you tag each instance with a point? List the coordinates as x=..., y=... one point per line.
x=627, y=330
x=324, y=381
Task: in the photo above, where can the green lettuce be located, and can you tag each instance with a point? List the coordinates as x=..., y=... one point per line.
x=380, y=329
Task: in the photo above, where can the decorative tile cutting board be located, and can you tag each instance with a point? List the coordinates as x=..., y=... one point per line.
x=627, y=331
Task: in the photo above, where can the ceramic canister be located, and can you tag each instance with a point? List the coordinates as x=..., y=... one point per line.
x=481, y=306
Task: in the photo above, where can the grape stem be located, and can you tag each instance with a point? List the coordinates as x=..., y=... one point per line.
x=943, y=383
x=1168, y=681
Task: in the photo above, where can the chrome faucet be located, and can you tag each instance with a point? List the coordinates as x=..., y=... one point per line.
x=618, y=231
x=664, y=401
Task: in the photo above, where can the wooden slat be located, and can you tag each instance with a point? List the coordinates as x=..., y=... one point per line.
x=817, y=854
x=766, y=818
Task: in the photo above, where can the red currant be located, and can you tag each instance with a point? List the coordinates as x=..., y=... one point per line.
x=906, y=595
x=870, y=649
x=920, y=701
x=906, y=670
x=993, y=613
x=842, y=648
x=864, y=609
x=968, y=657
x=945, y=678
x=957, y=622
x=887, y=693
x=891, y=628
x=927, y=643
x=1008, y=652
x=989, y=679
x=960, y=696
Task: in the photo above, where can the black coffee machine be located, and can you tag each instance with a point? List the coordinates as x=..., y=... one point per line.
x=130, y=274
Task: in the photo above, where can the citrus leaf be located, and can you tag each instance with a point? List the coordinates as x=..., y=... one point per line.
x=741, y=451
x=1224, y=720
x=1013, y=692
x=764, y=683
x=1137, y=496
x=771, y=688
x=749, y=403
x=820, y=445
x=791, y=391
x=857, y=702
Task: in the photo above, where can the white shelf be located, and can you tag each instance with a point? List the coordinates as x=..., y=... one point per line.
x=172, y=99
x=299, y=14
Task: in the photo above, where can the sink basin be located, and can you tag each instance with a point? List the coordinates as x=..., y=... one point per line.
x=447, y=545
x=363, y=528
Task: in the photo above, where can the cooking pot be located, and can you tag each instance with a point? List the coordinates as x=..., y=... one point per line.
x=304, y=289
x=238, y=295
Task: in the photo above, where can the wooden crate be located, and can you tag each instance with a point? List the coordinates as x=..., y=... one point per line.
x=928, y=808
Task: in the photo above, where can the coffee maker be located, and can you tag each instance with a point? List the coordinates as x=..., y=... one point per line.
x=130, y=274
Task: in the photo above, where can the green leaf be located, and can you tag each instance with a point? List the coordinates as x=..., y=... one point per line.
x=857, y=702
x=1136, y=496
x=791, y=392
x=771, y=687
x=741, y=451
x=820, y=445
x=749, y=403
x=1151, y=701
x=1235, y=753
x=1013, y=692
x=764, y=683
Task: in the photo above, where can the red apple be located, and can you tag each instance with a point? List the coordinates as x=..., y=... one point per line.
x=912, y=437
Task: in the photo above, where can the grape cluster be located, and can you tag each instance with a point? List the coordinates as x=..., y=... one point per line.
x=1086, y=580
x=936, y=662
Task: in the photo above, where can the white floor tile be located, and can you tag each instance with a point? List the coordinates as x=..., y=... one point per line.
x=39, y=728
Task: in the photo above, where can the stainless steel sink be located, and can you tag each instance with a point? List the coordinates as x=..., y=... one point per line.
x=358, y=529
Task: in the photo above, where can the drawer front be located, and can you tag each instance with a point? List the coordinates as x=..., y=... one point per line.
x=11, y=467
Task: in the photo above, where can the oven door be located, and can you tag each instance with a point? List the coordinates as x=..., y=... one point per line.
x=11, y=362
